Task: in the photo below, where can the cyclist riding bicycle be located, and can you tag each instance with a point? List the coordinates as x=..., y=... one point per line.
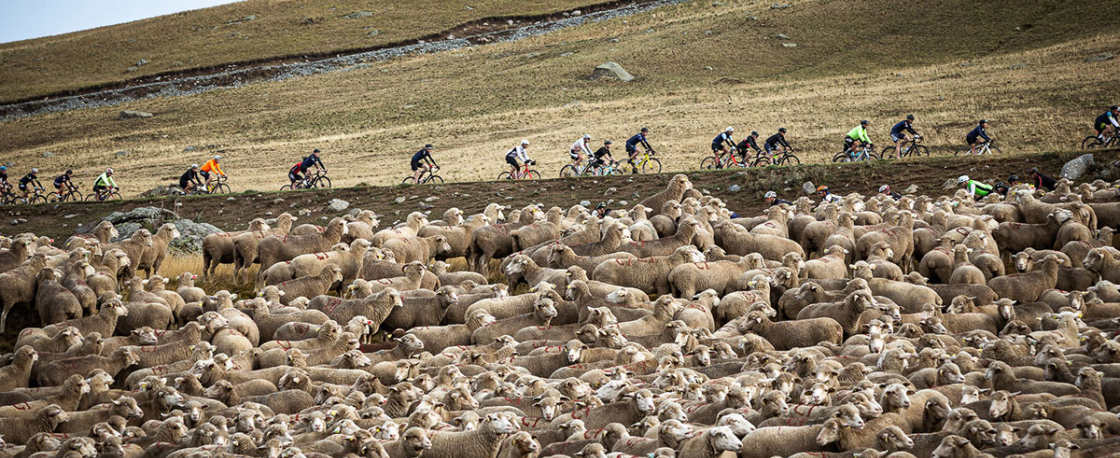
x=899, y=137
x=1106, y=124
x=4, y=178
x=104, y=184
x=1041, y=181
x=973, y=137
x=632, y=147
x=189, y=179
x=580, y=149
x=425, y=154
x=826, y=196
x=857, y=133
x=750, y=142
x=772, y=199
x=518, y=152
x=602, y=155
x=976, y=189
x=64, y=180
x=886, y=189
x=302, y=166
x=31, y=177
x=723, y=142
x=777, y=143
x=211, y=166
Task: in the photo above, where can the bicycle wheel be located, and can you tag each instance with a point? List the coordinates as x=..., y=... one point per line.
x=872, y=156
x=568, y=171
x=789, y=159
x=993, y=149
x=918, y=151
x=839, y=157
x=321, y=182
x=503, y=176
x=653, y=165
x=409, y=180
x=91, y=197
x=434, y=179
x=114, y=196
x=708, y=163
x=532, y=175
x=34, y=200
x=220, y=188
x=1090, y=142
x=888, y=152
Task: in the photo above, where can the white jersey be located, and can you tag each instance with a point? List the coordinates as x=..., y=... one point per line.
x=519, y=152
x=580, y=146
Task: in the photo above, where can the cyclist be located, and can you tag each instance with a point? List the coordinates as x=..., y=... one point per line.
x=749, y=142
x=189, y=179
x=1012, y=180
x=580, y=149
x=857, y=133
x=518, y=152
x=64, y=180
x=772, y=199
x=900, y=138
x=4, y=185
x=976, y=189
x=777, y=142
x=722, y=142
x=601, y=210
x=632, y=147
x=827, y=196
x=425, y=154
x=1041, y=181
x=973, y=137
x=1001, y=188
x=32, y=177
x=601, y=153
x=302, y=166
x=104, y=184
x=1107, y=123
x=211, y=166
x=886, y=189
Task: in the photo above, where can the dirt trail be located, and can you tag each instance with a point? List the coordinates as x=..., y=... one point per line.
x=232, y=212
x=236, y=74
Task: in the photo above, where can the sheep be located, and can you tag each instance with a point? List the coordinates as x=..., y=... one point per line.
x=413, y=278
x=612, y=239
x=362, y=228
x=1015, y=237
x=439, y=268
x=458, y=237
x=349, y=261
x=152, y=257
x=539, y=232
x=495, y=241
x=1029, y=286
x=410, y=228
x=781, y=441
x=648, y=274
x=18, y=373
x=105, y=322
x=57, y=372
x=437, y=338
x=19, y=285
x=831, y=265
x=40, y=341
x=846, y=312
x=100, y=234
x=627, y=409
x=133, y=247
x=219, y=248
x=543, y=313
x=523, y=269
x=421, y=249
x=375, y=307
x=55, y=302
x=413, y=443
x=421, y=308
x=690, y=278
x=111, y=265
x=1003, y=377
x=687, y=231
x=275, y=249
x=310, y=286
x=738, y=241
x=20, y=430
x=482, y=442
x=673, y=192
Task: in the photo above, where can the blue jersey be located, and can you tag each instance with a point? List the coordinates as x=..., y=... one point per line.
x=978, y=132
x=421, y=155
x=722, y=138
x=632, y=143
x=309, y=162
x=901, y=126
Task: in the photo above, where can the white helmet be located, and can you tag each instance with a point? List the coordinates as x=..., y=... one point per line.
x=525, y=142
x=884, y=188
x=217, y=158
x=963, y=179
x=109, y=171
x=771, y=195
x=34, y=170
x=194, y=166
x=729, y=129
x=587, y=136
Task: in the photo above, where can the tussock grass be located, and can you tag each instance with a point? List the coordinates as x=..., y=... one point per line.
x=877, y=60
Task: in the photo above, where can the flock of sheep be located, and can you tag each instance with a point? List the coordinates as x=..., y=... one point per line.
x=871, y=327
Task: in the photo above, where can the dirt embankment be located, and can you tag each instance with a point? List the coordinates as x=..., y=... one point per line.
x=231, y=212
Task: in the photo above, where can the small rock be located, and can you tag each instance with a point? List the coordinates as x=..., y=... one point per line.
x=251, y=17
x=425, y=206
x=1018, y=66
x=400, y=200
x=303, y=212
x=649, y=30
x=705, y=192
x=709, y=68
x=70, y=216
x=614, y=40
x=910, y=189
x=789, y=45
x=337, y=205
x=15, y=222
x=635, y=195
x=780, y=6
x=190, y=149
x=431, y=199
x=133, y=114
x=268, y=213
x=509, y=22
x=950, y=183
x=782, y=36
x=610, y=191
x=1077, y=167
x=231, y=199
x=141, y=62
x=585, y=203
x=47, y=154
x=123, y=153
x=611, y=70
x=278, y=200
x=1099, y=57
x=566, y=54
x=577, y=13
x=357, y=15
x=323, y=218
x=752, y=18
x=373, y=33
x=808, y=188
x=733, y=188
x=623, y=203
x=470, y=8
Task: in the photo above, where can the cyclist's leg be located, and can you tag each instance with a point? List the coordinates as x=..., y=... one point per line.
x=971, y=147
x=417, y=170
x=293, y=177
x=513, y=166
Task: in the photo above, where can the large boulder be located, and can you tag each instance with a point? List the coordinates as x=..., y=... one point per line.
x=611, y=71
x=1077, y=167
x=151, y=218
x=191, y=235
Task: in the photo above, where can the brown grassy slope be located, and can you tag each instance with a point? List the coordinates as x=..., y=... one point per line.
x=476, y=103
x=220, y=35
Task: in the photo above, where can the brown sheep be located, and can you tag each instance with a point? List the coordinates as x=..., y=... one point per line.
x=690, y=278
x=310, y=286
x=410, y=228
x=275, y=249
x=20, y=430
x=57, y=372
x=349, y=261
x=376, y=307
x=686, y=232
x=846, y=312
x=133, y=247
x=495, y=241
x=674, y=192
x=458, y=237
x=786, y=335
x=152, y=257
x=421, y=249
x=246, y=245
x=1029, y=286
x=219, y=248
x=19, y=286
x=54, y=302
x=648, y=274
x=18, y=373
x=737, y=240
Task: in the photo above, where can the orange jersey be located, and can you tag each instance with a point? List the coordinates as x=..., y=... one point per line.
x=212, y=166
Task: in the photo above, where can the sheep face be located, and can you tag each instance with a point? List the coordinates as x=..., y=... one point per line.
x=895, y=396
x=498, y=423
x=738, y=425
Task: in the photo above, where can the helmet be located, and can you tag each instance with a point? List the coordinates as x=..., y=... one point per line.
x=754, y=133
x=601, y=205
x=607, y=142
x=910, y=117
x=109, y=171
x=782, y=130
x=525, y=142
x=1013, y=178
x=885, y=188
x=645, y=129
x=729, y=129
x=587, y=136
x=822, y=188
x=194, y=166
x=983, y=121
x=428, y=146
x=316, y=150
x=217, y=158
x=69, y=172
x=770, y=195
x=963, y=179
x=1113, y=108
x=34, y=170
x=1032, y=170
x=3, y=168
x=864, y=122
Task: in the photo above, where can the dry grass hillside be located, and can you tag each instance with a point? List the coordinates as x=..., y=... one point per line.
x=1022, y=65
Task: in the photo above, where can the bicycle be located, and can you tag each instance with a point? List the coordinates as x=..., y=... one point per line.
x=107, y=194
x=70, y=195
x=218, y=186
x=6, y=196
x=318, y=180
x=571, y=170
x=911, y=149
x=863, y=154
x=606, y=169
x=982, y=149
x=725, y=160
x=648, y=163
x=33, y=198
x=786, y=158
x=427, y=175
x=524, y=173
x=1092, y=141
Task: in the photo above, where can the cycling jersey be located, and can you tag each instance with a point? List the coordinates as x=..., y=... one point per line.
x=859, y=133
x=211, y=166
x=978, y=189
x=61, y=179
x=518, y=152
x=978, y=132
x=1044, y=182
x=831, y=198
x=601, y=152
x=894, y=195
x=717, y=143
x=104, y=181
x=422, y=155
x=632, y=143
x=748, y=142
x=3, y=177
x=780, y=202
x=775, y=140
x=309, y=162
x=1104, y=120
x=903, y=125
x=188, y=177
x=580, y=147
x=28, y=179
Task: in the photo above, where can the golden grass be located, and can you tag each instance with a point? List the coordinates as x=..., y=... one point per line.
x=223, y=34
x=474, y=104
